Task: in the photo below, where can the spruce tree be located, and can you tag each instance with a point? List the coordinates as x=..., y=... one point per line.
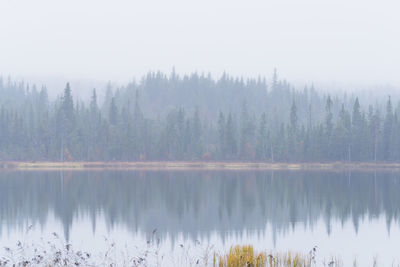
x=387, y=130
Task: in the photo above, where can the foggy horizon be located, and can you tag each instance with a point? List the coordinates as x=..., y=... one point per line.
x=330, y=44
x=82, y=88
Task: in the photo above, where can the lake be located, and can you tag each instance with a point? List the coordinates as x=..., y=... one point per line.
x=351, y=215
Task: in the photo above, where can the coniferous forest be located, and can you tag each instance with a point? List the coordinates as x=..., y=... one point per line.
x=196, y=117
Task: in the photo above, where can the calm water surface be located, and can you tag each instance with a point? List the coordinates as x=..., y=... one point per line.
x=351, y=215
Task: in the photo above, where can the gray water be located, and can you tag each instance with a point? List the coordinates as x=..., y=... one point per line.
x=346, y=214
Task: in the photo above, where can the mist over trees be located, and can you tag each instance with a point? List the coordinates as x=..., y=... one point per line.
x=196, y=117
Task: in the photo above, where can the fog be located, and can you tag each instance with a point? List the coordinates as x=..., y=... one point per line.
x=273, y=123
x=332, y=43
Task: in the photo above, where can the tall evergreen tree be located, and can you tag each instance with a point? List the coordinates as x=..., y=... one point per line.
x=262, y=138
x=230, y=138
x=67, y=121
x=113, y=113
x=387, y=130
x=357, y=131
x=196, y=135
x=221, y=136
x=293, y=118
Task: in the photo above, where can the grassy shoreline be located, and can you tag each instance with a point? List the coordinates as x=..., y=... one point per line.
x=57, y=252
x=197, y=165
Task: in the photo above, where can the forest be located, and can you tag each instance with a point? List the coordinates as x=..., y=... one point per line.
x=197, y=118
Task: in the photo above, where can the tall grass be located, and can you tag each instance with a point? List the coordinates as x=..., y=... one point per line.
x=56, y=252
x=245, y=256
x=242, y=256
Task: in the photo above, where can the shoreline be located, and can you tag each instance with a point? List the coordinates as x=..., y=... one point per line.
x=197, y=165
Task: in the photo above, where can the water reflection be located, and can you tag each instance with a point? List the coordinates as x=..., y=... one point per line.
x=199, y=203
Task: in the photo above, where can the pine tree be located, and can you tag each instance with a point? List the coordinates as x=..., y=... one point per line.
x=262, y=138
x=230, y=138
x=327, y=147
x=138, y=128
x=329, y=116
x=113, y=112
x=387, y=130
x=357, y=131
x=93, y=126
x=293, y=118
x=180, y=138
x=275, y=80
x=196, y=134
x=292, y=133
x=66, y=118
x=244, y=129
x=375, y=132
x=221, y=136
x=68, y=104
x=93, y=106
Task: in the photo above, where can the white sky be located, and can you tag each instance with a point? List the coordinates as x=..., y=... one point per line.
x=351, y=41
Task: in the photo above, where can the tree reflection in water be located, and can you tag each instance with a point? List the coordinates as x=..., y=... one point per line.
x=200, y=202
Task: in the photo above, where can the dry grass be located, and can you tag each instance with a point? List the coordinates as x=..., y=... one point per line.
x=55, y=252
x=245, y=256
x=239, y=256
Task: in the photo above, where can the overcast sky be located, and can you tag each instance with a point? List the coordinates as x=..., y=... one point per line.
x=354, y=41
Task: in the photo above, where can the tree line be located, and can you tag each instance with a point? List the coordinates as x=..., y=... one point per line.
x=196, y=117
